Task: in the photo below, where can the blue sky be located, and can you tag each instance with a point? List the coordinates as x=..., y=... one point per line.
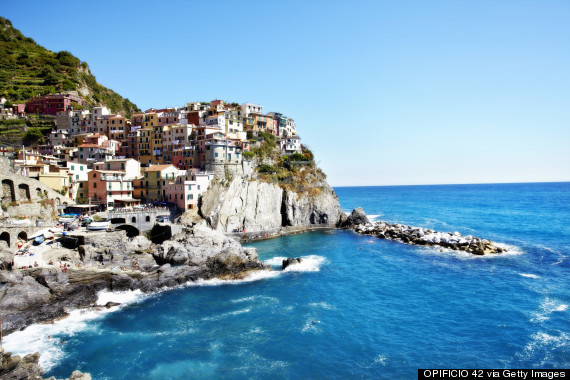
x=383, y=92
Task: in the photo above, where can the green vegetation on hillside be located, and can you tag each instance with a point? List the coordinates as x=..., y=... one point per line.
x=28, y=69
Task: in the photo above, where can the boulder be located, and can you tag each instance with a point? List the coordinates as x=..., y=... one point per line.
x=291, y=261
x=356, y=217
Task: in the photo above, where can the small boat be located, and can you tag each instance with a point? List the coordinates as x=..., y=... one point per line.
x=98, y=226
x=39, y=240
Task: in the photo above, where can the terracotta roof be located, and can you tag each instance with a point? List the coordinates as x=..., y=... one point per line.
x=158, y=168
x=89, y=146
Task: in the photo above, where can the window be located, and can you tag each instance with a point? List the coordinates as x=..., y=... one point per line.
x=122, y=166
x=77, y=176
x=81, y=168
x=216, y=154
x=72, y=167
x=191, y=196
x=94, y=175
x=94, y=185
x=108, y=166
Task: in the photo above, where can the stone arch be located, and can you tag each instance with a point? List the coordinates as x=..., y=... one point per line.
x=65, y=204
x=8, y=193
x=6, y=237
x=24, y=192
x=118, y=221
x=147, y=219
x=23, y=235
x=131, y=230
x=133, y=220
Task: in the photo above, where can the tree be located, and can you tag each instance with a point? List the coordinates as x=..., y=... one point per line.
x=32, y=136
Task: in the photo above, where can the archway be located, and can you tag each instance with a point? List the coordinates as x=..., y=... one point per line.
x=24, y=192
x=118, y=221
x=6, y=237
x=23, y=235
x=133, y=220
x=147, y=218
x=8, y=194
x=131, y=231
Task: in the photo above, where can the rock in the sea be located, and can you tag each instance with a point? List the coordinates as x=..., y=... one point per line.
x=291, y=261
x=356, y=217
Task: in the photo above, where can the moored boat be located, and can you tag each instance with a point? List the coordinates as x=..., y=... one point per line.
x=98, y=226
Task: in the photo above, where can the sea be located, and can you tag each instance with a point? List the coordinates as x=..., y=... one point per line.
x=357, y=307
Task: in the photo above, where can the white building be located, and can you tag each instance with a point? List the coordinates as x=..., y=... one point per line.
x=249, y=108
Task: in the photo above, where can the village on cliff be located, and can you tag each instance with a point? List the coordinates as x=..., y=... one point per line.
x=165, y=155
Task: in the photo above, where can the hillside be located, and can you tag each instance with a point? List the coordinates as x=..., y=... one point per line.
x=28, y=69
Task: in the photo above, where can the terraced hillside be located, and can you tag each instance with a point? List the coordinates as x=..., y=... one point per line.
x=28, y=69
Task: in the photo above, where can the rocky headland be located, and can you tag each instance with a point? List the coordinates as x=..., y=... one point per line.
x=359, y=222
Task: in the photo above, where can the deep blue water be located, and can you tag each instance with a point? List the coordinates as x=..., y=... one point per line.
x=381, y=309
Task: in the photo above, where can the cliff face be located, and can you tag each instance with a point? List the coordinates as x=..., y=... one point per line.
x=262, y=206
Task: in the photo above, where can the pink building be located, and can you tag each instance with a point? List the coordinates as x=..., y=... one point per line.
x=110, y=188
x=186, y=190
x=19, y=109
x=52, y=104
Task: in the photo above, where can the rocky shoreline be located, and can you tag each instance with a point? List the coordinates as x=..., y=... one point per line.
x=359, y=222
x=111, y=261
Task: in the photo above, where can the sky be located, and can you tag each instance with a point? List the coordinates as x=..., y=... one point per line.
x=383, y=92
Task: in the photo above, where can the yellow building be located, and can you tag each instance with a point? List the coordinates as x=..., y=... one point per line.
x=155, y=181
x=144, y=142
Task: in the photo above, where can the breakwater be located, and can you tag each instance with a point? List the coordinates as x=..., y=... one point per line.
x=428, y=237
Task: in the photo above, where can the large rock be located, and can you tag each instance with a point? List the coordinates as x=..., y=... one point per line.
x=260, y=206
x=201, y=247
x=356, y=217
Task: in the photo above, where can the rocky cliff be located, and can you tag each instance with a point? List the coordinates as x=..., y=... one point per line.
x=261, y=206
x=43, y=294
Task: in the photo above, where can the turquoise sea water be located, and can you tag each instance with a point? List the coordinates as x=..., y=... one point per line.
x=380, y=309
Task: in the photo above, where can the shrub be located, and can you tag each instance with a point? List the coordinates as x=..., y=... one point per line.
x=248, y=155
x=264, y=168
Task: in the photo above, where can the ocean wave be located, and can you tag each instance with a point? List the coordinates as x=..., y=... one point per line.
x=311, y=263
x=322, y=305
x=255, y=298
x=529, y=275
x=548, y=307
x=542, y=345
x=46, y=338
x=225, y=315
x=123, y=297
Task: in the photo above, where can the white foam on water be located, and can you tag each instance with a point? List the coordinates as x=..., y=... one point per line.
x=254, y=276
x=255, y=298
x=545, y=344
x=380, y=359
x=276, y=261
x=124, y=297
x=548, y=307
x=35, y=337
x=310, y=326
x=311, y=263
x=322, y=305
x=373, y=218
x=529, y=275
x=225, y=315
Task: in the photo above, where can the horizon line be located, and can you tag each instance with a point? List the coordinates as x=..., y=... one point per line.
x=455, y=184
